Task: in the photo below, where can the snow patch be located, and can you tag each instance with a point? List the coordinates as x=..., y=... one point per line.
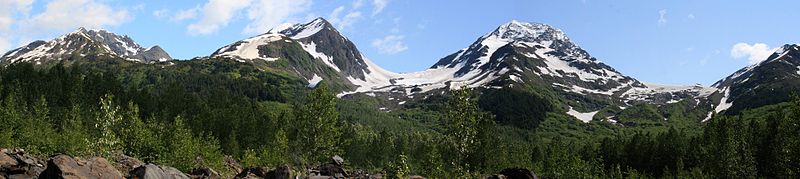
x=708, y=117
x=723, y=103
x=309, y=29
x=314, y=81
x=798, y=70
x=248, y=48
x=311, y=48
x=585, y=117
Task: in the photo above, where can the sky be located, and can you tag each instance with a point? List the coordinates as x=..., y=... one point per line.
x=667, y=42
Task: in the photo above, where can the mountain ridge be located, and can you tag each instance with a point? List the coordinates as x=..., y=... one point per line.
x=513, y=54
x=83, y=42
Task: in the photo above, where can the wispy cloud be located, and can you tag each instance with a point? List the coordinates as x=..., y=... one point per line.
x=662, y=17
x=379, y=5
x=344, y=20
x=262, y=14
x=70, y=14
x=266, y=14
x=755, y=53
x=391, y=44
x=690, y=16
x=216, y=14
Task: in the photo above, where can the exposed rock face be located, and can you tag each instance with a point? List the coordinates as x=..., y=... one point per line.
x=63, y=166
x=125, y=163
x=155, y=171
x=204, y=173
x=15, y=163
x=283, y=172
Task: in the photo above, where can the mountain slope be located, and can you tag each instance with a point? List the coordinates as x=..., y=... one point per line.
x=771, y=81
x=515, y=54
x=85, y=42
x=318, y=53
x=534, y=54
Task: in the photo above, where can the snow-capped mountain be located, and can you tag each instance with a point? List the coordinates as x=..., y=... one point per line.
x=514, y=51
x=321, y=43
x=524, y=52
x=83, y=42
x=518, y=52
x=771, y=81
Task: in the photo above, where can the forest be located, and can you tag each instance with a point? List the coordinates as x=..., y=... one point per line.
x=209, y=109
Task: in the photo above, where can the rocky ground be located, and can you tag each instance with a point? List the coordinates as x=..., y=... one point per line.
x=16, y=164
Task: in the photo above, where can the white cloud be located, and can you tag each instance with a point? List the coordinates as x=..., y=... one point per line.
x=17, y=25
x=390, y=44
x=379, y=5
x=755, y=53
x=690, y=16
x=345, y=21
x=71, y=14
x=185, y=14
x=262, y=14
x=161, y=13
x=266, y=14
x=662, y=17
x=10, y=9
x=358, y=3
x=216, y=14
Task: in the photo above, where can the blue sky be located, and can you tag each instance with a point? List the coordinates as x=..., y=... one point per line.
x=671, y=42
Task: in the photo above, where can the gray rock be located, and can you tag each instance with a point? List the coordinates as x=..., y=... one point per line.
x=154, y=171
x=15, y=163
x=63, y=166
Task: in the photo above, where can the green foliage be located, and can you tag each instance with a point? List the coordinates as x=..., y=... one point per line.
x=191, y=114
x=469, y=131
x=140, y=140
x=316, y=126
x=108, y=144
x=75, y=138
x=515, y=107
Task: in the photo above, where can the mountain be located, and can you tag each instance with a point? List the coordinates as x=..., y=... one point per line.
x=83, y=42
x=314, y=50
x=771, y=81
x=534, y=54
x=514, y=55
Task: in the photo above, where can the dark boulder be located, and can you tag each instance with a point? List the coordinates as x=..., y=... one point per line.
x=335, y=168
x=204, y=173
x=126, y=163
x=283, y=172
x=15, y=163
x=253, y=172
x=63, y=166
x=514, y=173
x=154, y=171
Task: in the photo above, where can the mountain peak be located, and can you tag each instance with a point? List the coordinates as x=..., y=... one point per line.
x=528, y=32
x=787, y=48
x=302, y=30
x=84, y=42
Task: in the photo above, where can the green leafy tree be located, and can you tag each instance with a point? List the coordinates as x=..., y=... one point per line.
x=108, y=144
x=316, y=126
x=186, y=151
x=75, y=139
x=468, y=129
x=139, y=139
